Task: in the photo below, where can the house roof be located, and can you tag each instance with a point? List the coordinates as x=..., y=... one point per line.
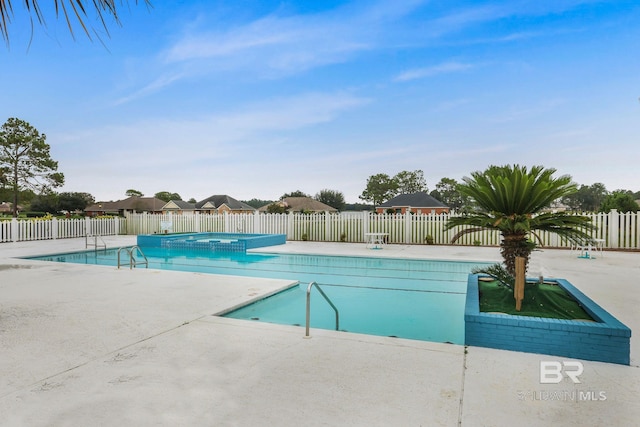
x=297, y=204
x=214, y=202
x=414, y=200
x=8, y=207
x=151, y=204
x=179, y=205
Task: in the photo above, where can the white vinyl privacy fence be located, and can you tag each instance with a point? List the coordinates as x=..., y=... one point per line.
x=618, y=230
x=20, y=230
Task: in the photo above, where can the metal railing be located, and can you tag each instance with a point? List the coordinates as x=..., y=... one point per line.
x=311, y=285
x=95, y=242
x=132, y=259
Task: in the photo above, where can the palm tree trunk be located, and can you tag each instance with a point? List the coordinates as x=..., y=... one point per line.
x=512, y=246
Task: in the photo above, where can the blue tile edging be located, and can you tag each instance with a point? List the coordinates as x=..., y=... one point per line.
x=605, y=340
x=215, y=242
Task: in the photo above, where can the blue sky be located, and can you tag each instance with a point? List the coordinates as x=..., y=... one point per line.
x=258, y=98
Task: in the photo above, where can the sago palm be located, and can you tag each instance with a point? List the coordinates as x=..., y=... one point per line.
x=511, y=200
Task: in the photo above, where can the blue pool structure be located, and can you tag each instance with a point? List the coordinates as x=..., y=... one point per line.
x=406, y=298
x=217, y=242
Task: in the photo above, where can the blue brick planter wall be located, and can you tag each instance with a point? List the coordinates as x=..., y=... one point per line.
x=605, y=340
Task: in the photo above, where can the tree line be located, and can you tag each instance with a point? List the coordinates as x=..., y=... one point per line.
x=29, y=176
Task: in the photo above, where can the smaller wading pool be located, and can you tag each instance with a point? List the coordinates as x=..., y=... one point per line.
x=217, y=242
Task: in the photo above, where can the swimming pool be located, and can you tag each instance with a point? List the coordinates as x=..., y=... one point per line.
x=407, y=298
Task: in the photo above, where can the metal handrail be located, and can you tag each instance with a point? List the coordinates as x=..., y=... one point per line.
x=132, y=259
x=311, y=285
x=95, y=241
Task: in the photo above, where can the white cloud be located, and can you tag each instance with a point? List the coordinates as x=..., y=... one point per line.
x=444, y=68
x=166, y=154
x=273, y=46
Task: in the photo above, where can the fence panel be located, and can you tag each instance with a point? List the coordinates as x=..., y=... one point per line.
x=618, y=230
x=5, y=230
x=627, y=230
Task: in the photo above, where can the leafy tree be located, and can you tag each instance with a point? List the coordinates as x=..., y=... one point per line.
x=131, y=192
x=586, y=198
x=333, y=198
x=166, y=196
x=511, y=200
x=257, y=203
x=4, y=172
x=277, y=208
x=380, y=188
x=621, y=200
x=296, y=193
x=45, y=203
x=410, y=182
x=192, y=200
x=357, y=207
x=448, y=193
x=71, y=202
x=68, y=9
x=25, y=155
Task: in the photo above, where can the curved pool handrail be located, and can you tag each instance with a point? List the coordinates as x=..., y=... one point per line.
x=132, y=260
x=311, y=285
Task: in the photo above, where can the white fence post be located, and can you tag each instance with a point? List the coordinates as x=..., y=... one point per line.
x=197, y=222
x=365, y=225
x=256, y=222
x=407, y=227
x=87, y=226
x=290, y=230
x=14, y=230
x=614, y=225
x=54, y=228
x=327, y=227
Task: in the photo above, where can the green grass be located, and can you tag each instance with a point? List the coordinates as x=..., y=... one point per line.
x=540, y=300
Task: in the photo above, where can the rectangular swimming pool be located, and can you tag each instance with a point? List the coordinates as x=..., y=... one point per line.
x=407, y=298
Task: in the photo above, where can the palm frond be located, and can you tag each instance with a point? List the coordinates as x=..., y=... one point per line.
x=67, y=9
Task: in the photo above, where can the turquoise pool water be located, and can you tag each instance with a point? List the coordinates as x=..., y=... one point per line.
x=407, y=298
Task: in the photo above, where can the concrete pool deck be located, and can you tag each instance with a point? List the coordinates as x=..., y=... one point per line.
x=93, y=345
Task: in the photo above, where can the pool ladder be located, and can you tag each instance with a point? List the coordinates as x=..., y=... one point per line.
x=95, y=242
x=133, y=262
x=311, y=285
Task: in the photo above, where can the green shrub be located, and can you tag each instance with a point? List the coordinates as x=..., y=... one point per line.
x=34, y=214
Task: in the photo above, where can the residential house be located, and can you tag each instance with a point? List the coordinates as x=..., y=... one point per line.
x=302, y=204
x=179, y=207
x=417, y=203
x=223, y=203
x=131, y=204
x=6, y=208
